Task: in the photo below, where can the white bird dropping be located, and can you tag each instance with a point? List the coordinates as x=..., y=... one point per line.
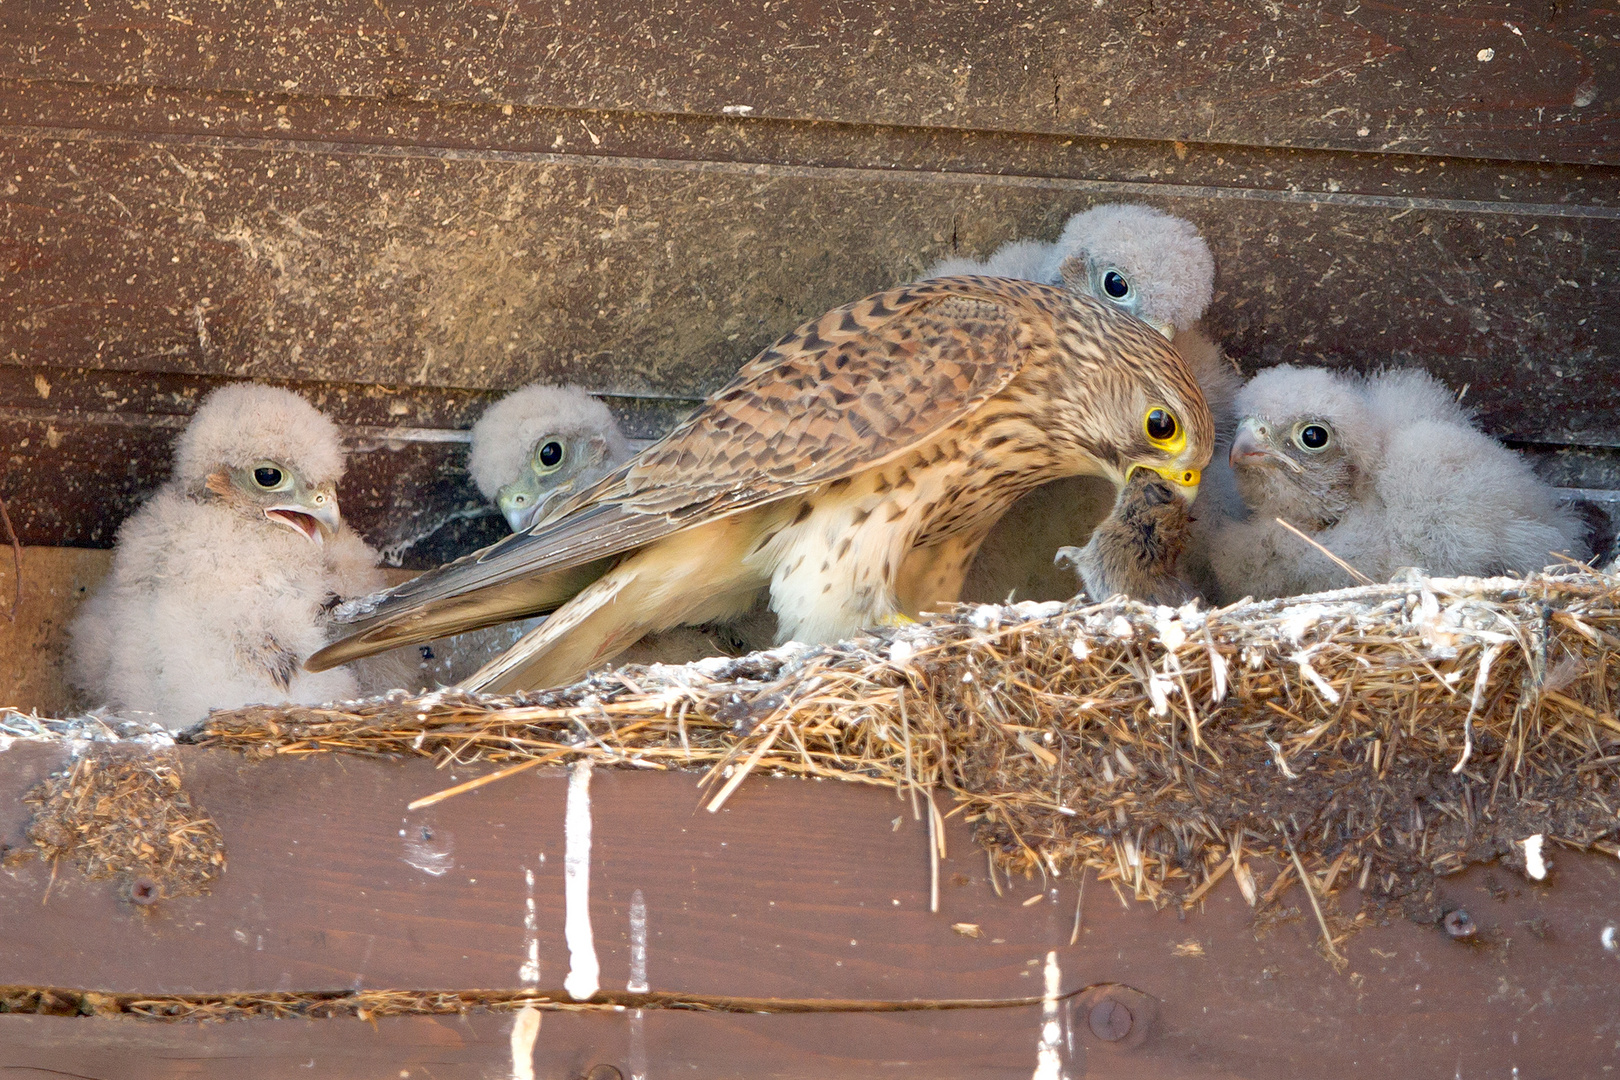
x=584, y=971
x=1048, y=1060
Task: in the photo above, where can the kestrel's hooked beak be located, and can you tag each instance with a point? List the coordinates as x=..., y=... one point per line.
x=1252, y=446
x=529, y=499
x=1182, y=481
x=313, y=514
x=519, y=503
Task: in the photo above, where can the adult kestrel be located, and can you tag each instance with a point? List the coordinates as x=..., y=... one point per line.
x=849, y=450
x=1157, y=267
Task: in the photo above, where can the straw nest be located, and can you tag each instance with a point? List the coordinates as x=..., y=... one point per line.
x=120, y=811
x=1376, y=736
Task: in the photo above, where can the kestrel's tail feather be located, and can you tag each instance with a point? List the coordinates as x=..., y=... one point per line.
x=696, y=576
x=560, y=648
x=455, y=614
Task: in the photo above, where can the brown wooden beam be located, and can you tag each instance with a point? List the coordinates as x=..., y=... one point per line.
x=797, y=891
x=1537, y=84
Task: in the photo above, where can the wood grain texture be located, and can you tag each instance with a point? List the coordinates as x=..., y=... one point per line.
x=641, y=279
x=421, y=241
x=983, y=1044
x=1524, y=82
x=695, y=272
x=790, y=893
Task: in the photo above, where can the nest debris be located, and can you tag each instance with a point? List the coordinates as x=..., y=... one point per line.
x=314, y=1005
x=121, y=811
x=1378, y=736
x=371, y=1005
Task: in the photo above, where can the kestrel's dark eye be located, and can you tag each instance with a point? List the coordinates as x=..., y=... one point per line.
x=1115, y=285
x=550, y=455
x=1313, y=436
x=1160, y=425
x=267, y=477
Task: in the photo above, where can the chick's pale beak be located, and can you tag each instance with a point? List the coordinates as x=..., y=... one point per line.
x=1250, y=446
x=314, y=515
x=519, y=503
x=1182, y=481
x=1161, y=326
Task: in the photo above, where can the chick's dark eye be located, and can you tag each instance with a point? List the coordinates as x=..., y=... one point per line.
x=1115, y=285
x=1161, y=425
x=551, y=454
x=266, y=477
x=1313, y=436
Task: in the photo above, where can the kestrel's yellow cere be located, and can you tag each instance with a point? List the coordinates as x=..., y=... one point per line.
x=852, y=468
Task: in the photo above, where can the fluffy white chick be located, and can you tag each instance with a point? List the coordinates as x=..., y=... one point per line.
x=1157, y=267
x=221, y=581
x=1385, y=472
x=541, y=444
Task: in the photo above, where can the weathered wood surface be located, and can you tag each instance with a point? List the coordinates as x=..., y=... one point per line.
x=1525, y=82
x=405, y=212
x=34, y=644
x=657, y=278
x=797, y=891
x=983, y=1044
x=337, y=274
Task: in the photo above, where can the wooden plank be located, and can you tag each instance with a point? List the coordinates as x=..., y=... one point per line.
x=791, y=893
x=641, y=279
x=1538, y=84
x=168, y=114
x=334, y=886
x=34, y=644
x=978, y=1043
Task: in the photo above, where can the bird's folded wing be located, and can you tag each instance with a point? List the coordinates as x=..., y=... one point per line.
x=842, y=393
x=863, y=383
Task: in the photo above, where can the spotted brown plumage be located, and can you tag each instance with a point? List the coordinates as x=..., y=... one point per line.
x=847, y=469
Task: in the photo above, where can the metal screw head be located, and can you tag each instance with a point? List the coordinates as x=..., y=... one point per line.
x=1459, y=924
x=603, y=1072
x=1110, y=1020
x=144, y=891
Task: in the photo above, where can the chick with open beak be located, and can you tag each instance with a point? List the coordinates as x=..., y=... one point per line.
x=283, y=497
x=222, y=581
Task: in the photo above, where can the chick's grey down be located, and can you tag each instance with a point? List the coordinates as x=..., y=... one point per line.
x=1385, y=472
